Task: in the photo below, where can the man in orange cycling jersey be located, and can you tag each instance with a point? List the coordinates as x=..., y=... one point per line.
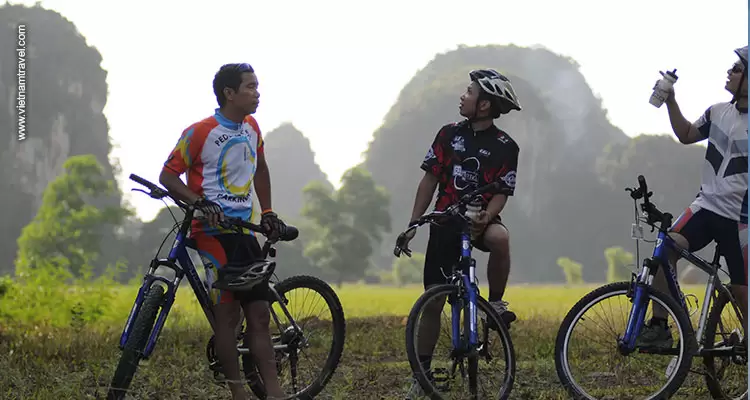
x=223, y=157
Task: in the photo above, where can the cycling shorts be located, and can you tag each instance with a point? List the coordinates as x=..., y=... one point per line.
x=218, y=250
x=701, y=226
x=443, y=250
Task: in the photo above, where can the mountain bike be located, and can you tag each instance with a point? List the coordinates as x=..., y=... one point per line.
x=713, y=341
x=157, y=294
x=462, y=293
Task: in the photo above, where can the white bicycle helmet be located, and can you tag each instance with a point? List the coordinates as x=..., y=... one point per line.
x=742, y=54
x=497, y=85
x=243, y=277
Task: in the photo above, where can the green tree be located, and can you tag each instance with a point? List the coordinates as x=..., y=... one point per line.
x=347, y=224
x=573, y=270
x=66, y=231
x=618, y=263
x=408, y=270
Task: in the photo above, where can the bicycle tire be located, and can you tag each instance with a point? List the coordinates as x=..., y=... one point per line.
x=133, y=350
x=714, y=316
x=482, y=305
x=610, y=290
x=337, y=347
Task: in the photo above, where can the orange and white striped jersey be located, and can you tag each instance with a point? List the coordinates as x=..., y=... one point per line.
x=219, y=157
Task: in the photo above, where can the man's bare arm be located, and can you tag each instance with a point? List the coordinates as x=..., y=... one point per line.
x=685, y=131
x=263, y=183
x=425, y=190
x=176, y=187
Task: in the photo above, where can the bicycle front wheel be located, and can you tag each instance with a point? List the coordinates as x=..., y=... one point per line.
x=133, y=351
x=591, y=367
x=444, y=371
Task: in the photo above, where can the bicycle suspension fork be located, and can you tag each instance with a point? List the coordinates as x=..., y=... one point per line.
x=469, y=283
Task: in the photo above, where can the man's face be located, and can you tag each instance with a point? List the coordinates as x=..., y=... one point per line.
x=246, y=98
x=469, y=101
x=734, y=75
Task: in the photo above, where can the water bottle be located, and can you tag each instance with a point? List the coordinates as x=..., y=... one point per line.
x=661, y=89
x=472, y=210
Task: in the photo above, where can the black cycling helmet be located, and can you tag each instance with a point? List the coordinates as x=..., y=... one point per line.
x=495, y=86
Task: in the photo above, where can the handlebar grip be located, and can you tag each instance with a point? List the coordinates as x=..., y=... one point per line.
x=142, y=181
x=642, y=184
x=290, y=233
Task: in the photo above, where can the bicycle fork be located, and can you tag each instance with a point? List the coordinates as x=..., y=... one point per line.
x=640, y=302
x=169, y=298
x=465, y=301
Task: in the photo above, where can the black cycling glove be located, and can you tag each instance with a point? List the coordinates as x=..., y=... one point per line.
x=274, y=227
x=210, y=210
x=207, y=206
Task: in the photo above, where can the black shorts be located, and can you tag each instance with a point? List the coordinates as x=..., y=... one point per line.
x=216, y=251
x=700, y=227
x=443, y=250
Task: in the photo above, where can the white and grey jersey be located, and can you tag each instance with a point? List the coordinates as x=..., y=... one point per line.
x=724, y=182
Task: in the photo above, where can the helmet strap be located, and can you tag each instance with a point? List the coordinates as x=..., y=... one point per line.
x=474, y=118
x=738, y=94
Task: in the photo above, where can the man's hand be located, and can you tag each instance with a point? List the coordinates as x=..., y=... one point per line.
x=273, y=225
x=670, y=92
x=210, y=210
x=402, y=242
x=480, y=223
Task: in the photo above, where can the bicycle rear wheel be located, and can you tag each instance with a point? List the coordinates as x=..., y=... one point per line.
x=133, y=351
x=443, y=377
x=616, y=366
x=290, y=345
x=726, y=375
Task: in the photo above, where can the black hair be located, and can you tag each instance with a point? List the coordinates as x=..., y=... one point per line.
x=498, y=107
x=229, y=76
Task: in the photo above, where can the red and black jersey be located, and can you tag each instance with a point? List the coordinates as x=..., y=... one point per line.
x=464, y=160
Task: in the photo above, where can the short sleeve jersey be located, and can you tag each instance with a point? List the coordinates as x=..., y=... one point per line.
x=724, y=182
x=463, y=161
x=219, y=157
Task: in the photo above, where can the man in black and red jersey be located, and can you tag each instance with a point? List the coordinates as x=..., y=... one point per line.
x=463, y=157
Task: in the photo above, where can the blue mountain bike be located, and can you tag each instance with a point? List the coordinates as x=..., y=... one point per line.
x=718, y=340
x=291, y=338
x=470, y=334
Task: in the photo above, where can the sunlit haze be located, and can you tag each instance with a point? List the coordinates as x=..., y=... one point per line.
x=334, y=68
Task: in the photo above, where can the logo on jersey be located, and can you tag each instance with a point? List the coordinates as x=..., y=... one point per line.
x=466, y=174
x=484, y=152
x=503, y=139
x=430, y=155
x=458, y=143
x=510, y=179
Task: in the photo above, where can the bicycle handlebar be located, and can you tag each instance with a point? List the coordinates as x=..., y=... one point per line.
x=156, y=192
x=402, y=243
x=653, y=215
x=452, y=210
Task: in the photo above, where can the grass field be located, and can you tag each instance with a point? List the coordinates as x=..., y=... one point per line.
x=65, y=355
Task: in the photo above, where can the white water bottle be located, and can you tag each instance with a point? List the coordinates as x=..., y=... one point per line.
x=661, y=89
x=472, y=211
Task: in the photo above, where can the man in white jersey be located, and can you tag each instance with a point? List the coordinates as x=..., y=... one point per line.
x=719, y=212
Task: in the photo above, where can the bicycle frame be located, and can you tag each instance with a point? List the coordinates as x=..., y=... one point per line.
x=186, y=268
x=660, y=259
